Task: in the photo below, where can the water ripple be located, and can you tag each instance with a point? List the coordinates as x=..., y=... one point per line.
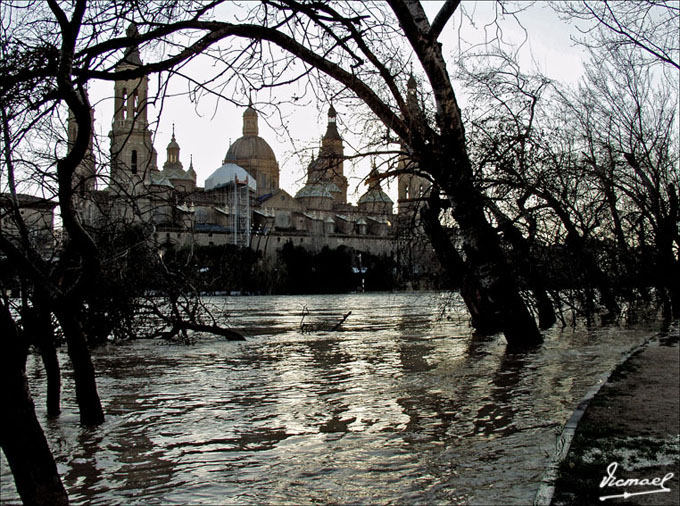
x=401, y=406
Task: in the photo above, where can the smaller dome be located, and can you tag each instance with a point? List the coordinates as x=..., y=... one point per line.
x=175, y=173
x=228, y=174
x=333, y=188
x=375, y=195
x=173, y=144
x=313, y=190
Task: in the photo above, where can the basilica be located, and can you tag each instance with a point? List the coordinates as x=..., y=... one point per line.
x=241, y=202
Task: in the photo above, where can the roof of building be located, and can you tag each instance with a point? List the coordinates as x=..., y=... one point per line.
x=160, y=180
x=176, y=173
x=312, y=217
x=25, y=200
x=131, y=56
x=332, y=128
x=375, y=195
x=228, y=174
x=250, y=147
x=314, y=190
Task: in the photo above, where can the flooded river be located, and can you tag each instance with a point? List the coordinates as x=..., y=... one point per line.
x=402, y=406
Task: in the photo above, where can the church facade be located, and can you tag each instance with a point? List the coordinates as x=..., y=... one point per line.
x=241, y=202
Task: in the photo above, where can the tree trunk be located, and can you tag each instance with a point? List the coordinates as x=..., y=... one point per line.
x=38, y=329
x=91, y=412
x=483, y=312
x=487, y=287
x=489, y=270
x=22, y=438
x=577, y=244
x=535, y=280
x=48, y=352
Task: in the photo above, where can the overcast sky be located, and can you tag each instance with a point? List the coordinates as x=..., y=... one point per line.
x=205, y=131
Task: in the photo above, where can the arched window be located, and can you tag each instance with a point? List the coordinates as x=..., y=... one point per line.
x=133, y=162
x=420, y=191
x=405, y=192
x=123, y=103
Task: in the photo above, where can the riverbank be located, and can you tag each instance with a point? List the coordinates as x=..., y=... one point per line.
x=631, y=430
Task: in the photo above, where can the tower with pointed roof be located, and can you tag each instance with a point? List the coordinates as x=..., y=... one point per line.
x=133, y=157
x=327, y=170
x=412, y=188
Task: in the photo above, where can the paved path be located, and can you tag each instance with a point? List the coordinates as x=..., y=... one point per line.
x=633, y=421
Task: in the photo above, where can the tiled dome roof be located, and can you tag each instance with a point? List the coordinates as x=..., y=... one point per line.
x=250, y=147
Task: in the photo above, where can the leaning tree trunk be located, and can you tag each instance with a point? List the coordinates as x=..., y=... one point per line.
x=89, y=404
x=487, y=286
x=488, y=268
x=22, y=439
x=483, y=312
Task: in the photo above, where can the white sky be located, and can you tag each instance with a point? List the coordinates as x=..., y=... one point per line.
x=205, y=131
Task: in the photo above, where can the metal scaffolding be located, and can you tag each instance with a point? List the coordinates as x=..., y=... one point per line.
x=240, y=211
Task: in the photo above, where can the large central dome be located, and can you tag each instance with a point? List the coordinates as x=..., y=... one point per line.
x=251, y=146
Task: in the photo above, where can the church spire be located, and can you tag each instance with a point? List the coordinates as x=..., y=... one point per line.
x=332, y=129
x=131, y=56
x=411, y=94
x=191, y=172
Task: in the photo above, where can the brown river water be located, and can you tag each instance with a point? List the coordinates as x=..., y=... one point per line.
x=402, y=406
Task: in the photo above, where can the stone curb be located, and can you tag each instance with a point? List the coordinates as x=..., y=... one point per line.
x=546, y=489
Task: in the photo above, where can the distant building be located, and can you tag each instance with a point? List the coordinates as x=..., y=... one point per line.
x=241, y=201
x=37, y=214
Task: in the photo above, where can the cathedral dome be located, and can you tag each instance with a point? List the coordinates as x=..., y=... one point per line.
x=250, y=147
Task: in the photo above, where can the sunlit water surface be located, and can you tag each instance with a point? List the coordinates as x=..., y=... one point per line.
x=402, y=406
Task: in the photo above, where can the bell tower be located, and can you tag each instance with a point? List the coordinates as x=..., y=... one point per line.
x=133, y=157
x=332, y=157
x=412, y=188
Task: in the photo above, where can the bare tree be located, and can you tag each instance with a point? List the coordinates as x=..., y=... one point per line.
x=648, y=27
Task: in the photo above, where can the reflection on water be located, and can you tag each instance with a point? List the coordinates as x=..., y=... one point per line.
x=399, y=407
